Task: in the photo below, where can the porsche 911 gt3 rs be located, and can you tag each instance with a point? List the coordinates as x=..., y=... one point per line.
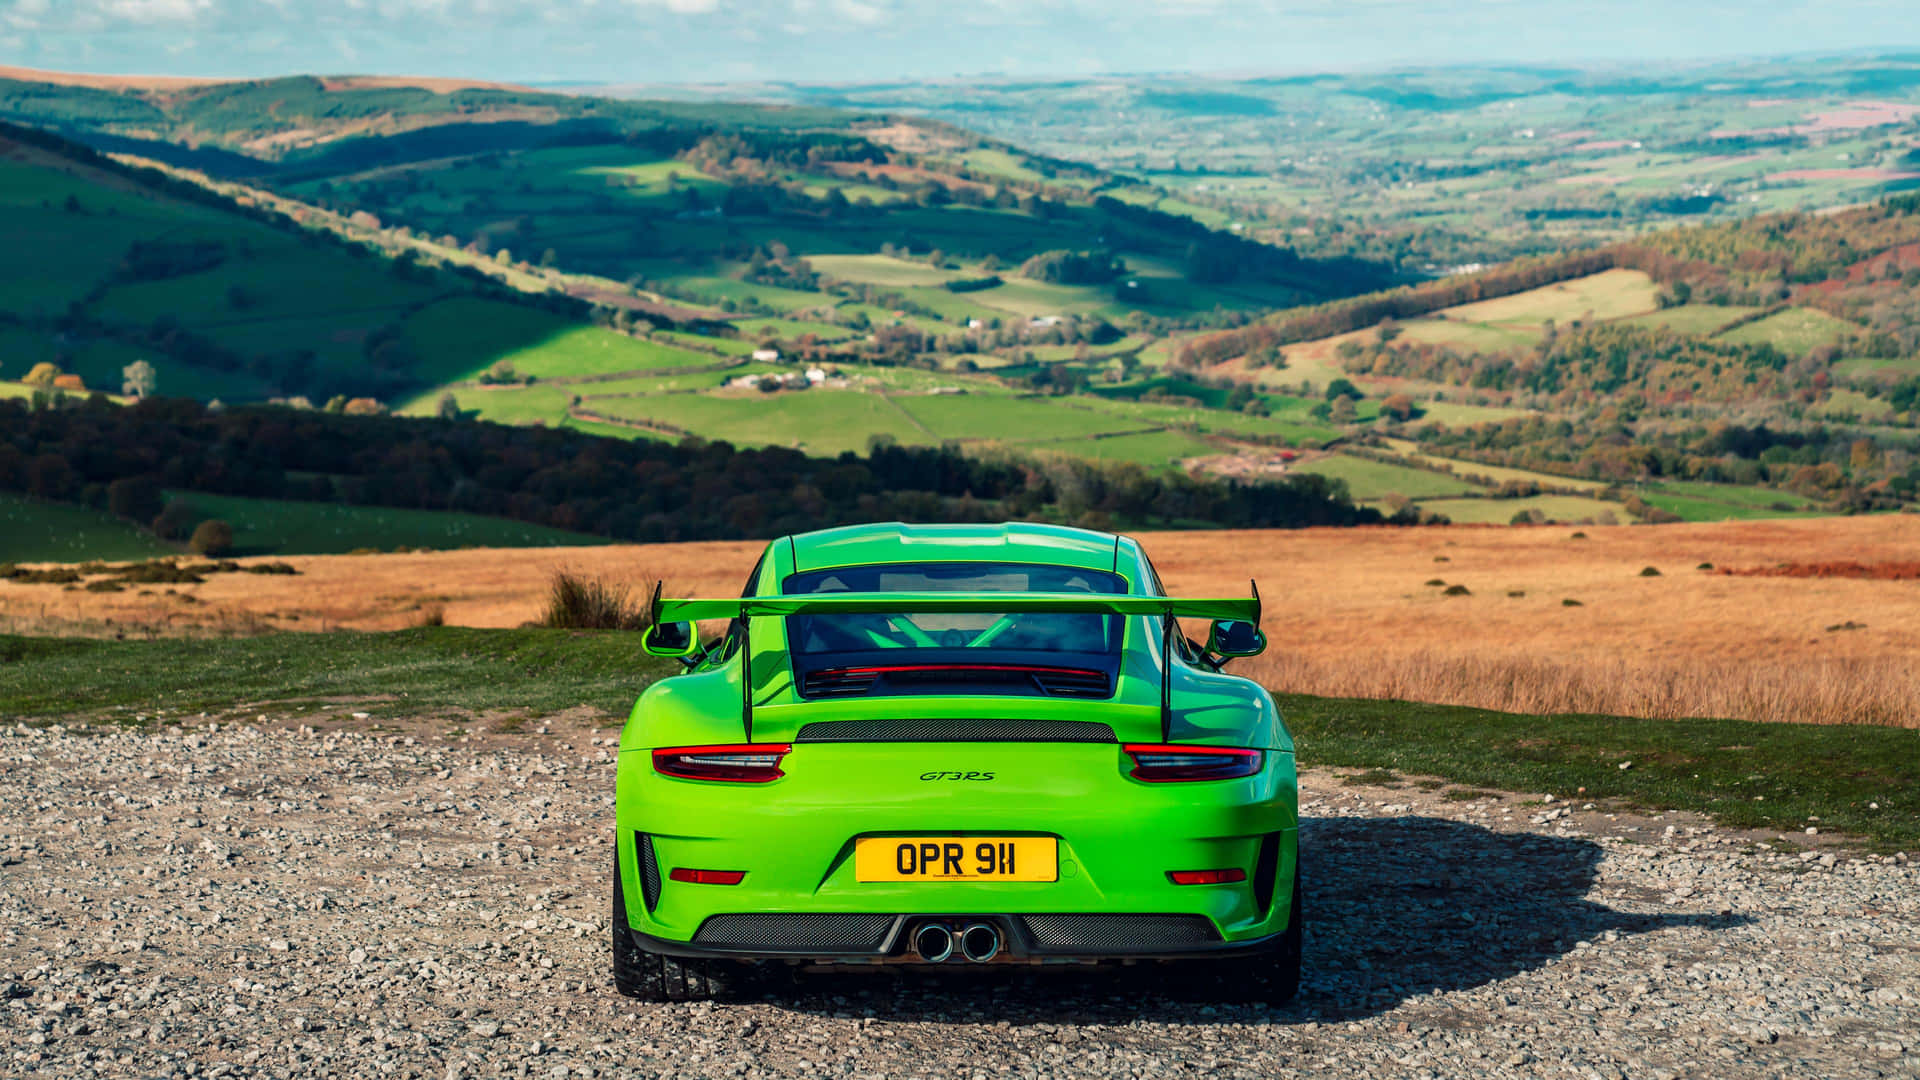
x=953, y=745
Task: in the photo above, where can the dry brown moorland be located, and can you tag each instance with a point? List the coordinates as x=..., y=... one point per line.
x=1350, y=612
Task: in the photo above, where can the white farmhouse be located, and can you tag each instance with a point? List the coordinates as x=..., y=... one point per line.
x=767, y=356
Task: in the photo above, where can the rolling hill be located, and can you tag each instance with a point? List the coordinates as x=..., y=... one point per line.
x=1778, y=356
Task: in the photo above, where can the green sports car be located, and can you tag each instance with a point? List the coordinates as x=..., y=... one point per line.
x=953, y=745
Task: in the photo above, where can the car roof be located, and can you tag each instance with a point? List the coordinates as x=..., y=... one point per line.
x=1017, y=542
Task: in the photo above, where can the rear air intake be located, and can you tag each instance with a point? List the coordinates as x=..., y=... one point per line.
x=839, y=682
x=649, y=870
x=797, y=933
x=1074, y=682
x=1118, y=934
x=1010, y=731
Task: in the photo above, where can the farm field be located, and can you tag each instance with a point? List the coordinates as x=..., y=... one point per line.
x=1499, y=474
x=1696, y=501
x=1151, y=449
x=1610, y=294
x=458, y=339
x=1795, y=331
x=32, y=530
x=1560, y=508
x=1368, y=479
x=284, y=526
x=820, y=422
x=1358, y=618
x=1691, y=318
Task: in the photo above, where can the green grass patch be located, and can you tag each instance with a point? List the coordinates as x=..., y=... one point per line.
x=1747, y=775
x=1609, y=294
x=1700, y=319
x=817, y=421
x=1497, y=473
x=1010, y=419
x=1696, y=501
x=1373, y=479
x=502, y=405
x=1501, y=511
x=1796, y=331
x=461, y=338
x=532, y=672
x=1153, y=449
x=35, y=531
x=880, y=270
x=288, y=527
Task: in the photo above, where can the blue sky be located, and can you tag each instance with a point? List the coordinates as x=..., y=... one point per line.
x=865, y=40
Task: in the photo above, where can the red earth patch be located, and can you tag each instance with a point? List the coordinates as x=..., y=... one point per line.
x=1885, y=571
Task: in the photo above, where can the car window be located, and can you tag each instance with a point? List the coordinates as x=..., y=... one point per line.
x=980, y=634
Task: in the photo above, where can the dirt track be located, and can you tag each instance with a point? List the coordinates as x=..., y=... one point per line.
x=264, y=902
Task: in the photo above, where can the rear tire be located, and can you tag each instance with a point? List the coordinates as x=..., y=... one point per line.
x=1273, y=975
x=650, y=976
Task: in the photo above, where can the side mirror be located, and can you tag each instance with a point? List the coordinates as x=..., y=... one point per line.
x=670, y=639
x=1236, y=639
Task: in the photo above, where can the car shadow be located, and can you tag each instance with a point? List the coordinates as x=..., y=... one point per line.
x=1396, y=908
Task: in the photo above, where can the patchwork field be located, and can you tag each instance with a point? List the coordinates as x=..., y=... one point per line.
x=1795, y=331
x=1350, y=612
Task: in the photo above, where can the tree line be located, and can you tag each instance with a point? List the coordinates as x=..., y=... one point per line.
x=120, y=458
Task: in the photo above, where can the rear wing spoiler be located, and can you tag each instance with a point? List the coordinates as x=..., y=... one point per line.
x=1238, y=610
x=1168, y=607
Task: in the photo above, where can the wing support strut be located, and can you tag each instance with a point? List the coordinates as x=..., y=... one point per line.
x=746, y=676
x=1167, y=627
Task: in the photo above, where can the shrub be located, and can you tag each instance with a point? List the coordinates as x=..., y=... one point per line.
x=435, y=615
x=1571, y=602
x=136, y=498
x=158, y=572
x=176, y=521
x=1649, y=571
x=582, y=603
x=1457, y=590
x=213, y=537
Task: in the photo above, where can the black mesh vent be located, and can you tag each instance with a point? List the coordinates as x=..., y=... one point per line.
x=1012, y=731
x=837, y=683
x=1068, y=682
x=1118, y=933
x=649, y=870
x=829, y=933
x=1265, y=871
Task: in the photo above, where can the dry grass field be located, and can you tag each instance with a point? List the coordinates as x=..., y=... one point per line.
x=1349, y=612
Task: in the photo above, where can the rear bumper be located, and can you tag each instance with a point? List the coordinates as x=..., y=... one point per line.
x=884, y=939
x=794, y=838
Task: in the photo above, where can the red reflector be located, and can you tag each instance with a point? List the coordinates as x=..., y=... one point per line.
x=706, y=877
x=1163, y=764
x=1207, y=877
x=755, y=763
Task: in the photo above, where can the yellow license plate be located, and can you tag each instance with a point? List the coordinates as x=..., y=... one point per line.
x=956, y=858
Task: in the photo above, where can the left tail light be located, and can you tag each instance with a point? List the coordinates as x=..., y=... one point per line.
x=752, y=764
x=1166, y=764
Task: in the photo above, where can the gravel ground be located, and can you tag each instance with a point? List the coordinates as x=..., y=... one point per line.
x=268, y=900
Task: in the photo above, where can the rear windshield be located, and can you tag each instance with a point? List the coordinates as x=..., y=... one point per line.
x=979, y=634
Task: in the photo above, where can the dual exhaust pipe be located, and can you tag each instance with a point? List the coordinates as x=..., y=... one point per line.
x=936, y=943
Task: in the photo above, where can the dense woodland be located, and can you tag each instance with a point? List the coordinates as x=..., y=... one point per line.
x=121, y=458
